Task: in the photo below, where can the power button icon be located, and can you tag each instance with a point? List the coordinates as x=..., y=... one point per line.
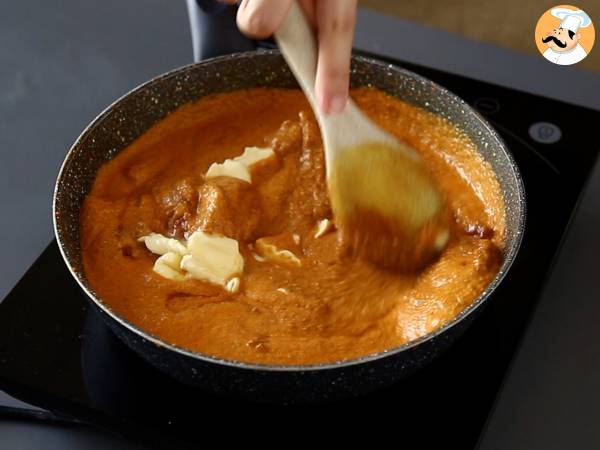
x=545, y=133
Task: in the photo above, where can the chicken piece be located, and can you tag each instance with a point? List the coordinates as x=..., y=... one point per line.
x=288, y=138
x=310, y=201
x=179, y=203
x=227, y=206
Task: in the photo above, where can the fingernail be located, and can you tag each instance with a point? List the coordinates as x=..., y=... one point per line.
x=337, y=104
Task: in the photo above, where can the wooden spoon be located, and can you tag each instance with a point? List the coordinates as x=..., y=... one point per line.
x=384, y=202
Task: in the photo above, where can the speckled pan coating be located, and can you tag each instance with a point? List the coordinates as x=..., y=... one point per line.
x=137, y=111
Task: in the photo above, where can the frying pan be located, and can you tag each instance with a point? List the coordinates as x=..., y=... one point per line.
x=137, y=111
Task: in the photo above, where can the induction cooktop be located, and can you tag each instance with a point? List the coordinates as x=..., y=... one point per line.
x=56, y=353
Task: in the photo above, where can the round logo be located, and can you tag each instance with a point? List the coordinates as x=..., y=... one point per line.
x=565, y=35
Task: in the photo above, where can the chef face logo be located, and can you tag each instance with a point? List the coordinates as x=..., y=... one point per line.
x=561, y=40
x=564, y=35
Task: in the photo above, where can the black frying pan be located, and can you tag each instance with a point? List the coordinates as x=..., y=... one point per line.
x=137, y=111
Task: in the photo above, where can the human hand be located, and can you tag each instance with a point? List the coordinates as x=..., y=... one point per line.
x=333, y=21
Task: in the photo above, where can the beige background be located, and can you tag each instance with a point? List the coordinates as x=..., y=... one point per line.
x=508, y=23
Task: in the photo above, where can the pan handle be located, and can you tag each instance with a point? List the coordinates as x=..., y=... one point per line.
x=214, y=31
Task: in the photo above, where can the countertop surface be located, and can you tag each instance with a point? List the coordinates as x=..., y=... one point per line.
x=64, y=63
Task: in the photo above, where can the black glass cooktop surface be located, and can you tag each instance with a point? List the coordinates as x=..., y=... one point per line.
x=57, y=354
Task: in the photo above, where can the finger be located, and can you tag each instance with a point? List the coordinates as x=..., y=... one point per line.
x=259, y=19
x=335, y=22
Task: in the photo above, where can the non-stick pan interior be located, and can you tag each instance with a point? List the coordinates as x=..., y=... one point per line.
x=137, y=111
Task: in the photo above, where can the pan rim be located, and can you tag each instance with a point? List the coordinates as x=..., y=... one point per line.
x=509, y=256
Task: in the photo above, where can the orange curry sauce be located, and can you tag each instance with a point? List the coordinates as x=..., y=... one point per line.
x=333, y=306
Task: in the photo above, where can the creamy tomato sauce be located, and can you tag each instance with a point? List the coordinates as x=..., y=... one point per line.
x=330, y=307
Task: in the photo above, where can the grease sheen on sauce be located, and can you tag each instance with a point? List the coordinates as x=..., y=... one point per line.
x=333, y=306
